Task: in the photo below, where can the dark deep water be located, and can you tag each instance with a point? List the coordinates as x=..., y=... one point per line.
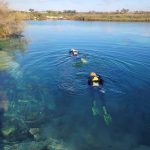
x=41, y=87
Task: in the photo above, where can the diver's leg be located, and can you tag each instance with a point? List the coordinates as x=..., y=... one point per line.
x=101, y=97
x=106, y=116
x=95, y=102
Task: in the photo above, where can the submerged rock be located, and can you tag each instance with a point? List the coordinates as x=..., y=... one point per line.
x=14, y=129
x=30, y=111
x=8, y=131
x=35, y=133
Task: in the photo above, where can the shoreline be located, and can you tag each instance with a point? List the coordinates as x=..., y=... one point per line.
x=110, y=17
x=7, y=30
x=130, y=21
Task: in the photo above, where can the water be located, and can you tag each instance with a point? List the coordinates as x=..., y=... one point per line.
x=41, y=87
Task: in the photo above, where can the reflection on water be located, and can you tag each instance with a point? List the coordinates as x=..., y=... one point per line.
x=45, y=102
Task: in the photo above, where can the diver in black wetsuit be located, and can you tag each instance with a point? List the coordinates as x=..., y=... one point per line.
x=96, y=82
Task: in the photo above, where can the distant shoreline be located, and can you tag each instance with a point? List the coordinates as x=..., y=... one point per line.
x=11, y=24
x=88, y=16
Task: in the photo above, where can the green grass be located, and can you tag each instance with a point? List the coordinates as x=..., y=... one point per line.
x=131, y=17
x=111, y=17
x=10, y=23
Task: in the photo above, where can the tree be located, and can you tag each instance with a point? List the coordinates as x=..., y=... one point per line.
x=117, y=11
x=31, y=10
x=124, y=10
x=70, y=11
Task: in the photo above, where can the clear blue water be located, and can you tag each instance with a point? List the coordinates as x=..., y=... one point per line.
x=43, y=81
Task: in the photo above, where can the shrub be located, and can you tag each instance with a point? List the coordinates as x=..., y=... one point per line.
x=10, y=23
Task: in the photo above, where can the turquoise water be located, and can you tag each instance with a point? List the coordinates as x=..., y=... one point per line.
x=42, y=87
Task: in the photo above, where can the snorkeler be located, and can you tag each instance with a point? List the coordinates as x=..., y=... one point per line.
x=96, y=82
x=73, y=52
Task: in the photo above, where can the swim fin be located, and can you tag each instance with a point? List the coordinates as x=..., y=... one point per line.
x=106, y=116
x=95, y=109
x=84, y=61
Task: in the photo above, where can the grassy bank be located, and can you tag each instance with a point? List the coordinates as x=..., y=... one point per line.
x=87, y=16
x=10, y=23
x=125, y=17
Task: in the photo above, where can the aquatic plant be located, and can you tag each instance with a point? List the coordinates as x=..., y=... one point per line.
x=3, y=101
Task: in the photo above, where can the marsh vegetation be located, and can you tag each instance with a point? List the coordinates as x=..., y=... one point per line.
x=10, y=23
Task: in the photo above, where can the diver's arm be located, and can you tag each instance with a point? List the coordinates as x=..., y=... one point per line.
x=102, y=82
x=89, y=81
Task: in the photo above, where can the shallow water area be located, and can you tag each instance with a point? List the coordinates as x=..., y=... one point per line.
x=45, y=101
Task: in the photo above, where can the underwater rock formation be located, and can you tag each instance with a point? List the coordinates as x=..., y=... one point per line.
x=28, y=110
x=25, y=116
x=8, y=131
x=35, y=133
x=49, y=144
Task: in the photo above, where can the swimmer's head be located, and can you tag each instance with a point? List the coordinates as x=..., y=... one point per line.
x=92, y=74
